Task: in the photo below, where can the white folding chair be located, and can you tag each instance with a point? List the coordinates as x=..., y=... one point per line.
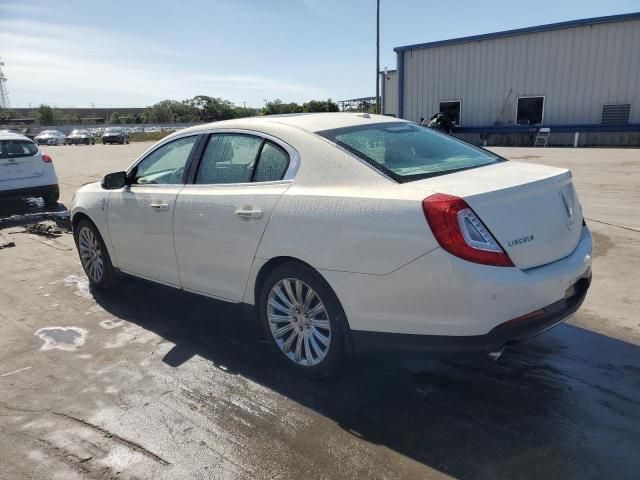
x=542, y=137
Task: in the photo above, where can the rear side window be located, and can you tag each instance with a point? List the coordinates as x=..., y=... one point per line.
x=407, y=152
x=272, y=164
x=17, y=148
x=228, y=158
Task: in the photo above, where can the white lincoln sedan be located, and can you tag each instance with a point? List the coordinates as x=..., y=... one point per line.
x=345, y=230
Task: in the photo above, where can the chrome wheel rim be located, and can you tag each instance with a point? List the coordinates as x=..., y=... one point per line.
x=90, y=254
x=299, y=322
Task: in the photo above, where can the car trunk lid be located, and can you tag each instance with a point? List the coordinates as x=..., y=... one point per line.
x=532, y=210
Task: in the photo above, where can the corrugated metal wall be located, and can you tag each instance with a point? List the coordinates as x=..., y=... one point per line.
x=577, y=69
x=391, y=93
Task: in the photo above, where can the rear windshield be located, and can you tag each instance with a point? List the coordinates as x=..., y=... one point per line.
x=407, y=152
x=17, y=148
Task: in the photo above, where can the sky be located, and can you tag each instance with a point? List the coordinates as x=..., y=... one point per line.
x=137, y=52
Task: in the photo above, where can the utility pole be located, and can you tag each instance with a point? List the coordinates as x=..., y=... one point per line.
x=4, y=94
x=378, y=56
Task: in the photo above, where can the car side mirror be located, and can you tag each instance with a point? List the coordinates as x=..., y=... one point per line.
x=113, y=181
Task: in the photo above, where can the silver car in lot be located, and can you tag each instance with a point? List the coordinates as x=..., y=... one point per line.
x=51, y=137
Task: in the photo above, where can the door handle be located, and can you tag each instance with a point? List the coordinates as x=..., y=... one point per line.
x=159, y=206
x=249, y=213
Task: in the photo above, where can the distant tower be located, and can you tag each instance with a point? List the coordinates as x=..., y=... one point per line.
x=4, y=93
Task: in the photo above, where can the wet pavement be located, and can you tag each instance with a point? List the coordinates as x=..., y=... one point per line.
x=148, y=382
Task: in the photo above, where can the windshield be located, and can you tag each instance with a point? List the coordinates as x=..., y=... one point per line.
x=48, y=132
x=113, y=130
x=79, y=132
x=407, y=152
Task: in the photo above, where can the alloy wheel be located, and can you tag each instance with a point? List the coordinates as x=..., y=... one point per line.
x=90, y=254
x=299, y=322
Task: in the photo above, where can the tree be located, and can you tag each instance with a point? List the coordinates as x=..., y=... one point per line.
x=212, y=108
x=45, y=115
x=242, y=112
x=320, y=106
x=277, y=106
x=161, y=112
x=115, y=118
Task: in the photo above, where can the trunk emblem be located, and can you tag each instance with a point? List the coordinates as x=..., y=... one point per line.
x=568, y=209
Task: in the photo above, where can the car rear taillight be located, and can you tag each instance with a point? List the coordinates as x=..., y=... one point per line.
x=461, y=232
x=46, y=158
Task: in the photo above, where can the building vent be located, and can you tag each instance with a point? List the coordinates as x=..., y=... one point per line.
x=616, y=113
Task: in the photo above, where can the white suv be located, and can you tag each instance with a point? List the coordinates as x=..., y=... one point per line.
x=25, y=171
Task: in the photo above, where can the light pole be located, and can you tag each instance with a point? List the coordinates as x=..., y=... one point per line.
x=378, y=56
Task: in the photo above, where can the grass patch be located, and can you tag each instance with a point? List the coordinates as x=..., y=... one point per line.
x=147, y=137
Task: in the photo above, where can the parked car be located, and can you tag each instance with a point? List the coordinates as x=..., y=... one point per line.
x=345, y=230
x=79, y=137
x=51, y=137
x=115, y=135
x=25, y=171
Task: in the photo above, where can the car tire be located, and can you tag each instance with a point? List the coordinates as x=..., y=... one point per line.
x=51, y=199
x=87, y=142
x=93, y=254
x=314, y=344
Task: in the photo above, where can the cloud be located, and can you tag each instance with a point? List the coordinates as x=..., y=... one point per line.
x=69, y=65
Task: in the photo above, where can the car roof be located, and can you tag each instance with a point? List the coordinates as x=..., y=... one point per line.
x=310, y=122
x=13, y=136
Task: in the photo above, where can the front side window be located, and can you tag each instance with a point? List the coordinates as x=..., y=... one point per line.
x=530, y=110
x=407, y=152
x=228, y=158
x=166, y=164
x=451, y=110
x=17, y=148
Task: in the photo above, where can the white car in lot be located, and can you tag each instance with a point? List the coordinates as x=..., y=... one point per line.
x=51, y=137
x=25, y=171
x=345, y=230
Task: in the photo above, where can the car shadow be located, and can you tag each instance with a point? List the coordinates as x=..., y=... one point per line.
x=17, y=212
x=564, y=405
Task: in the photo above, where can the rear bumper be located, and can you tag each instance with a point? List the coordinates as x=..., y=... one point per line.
x=508, y=333
x=40, y=191
x=444, y=296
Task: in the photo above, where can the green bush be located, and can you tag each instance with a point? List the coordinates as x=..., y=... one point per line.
x=148, y=137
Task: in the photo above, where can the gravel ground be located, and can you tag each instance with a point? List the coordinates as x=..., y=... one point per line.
x=148, y=382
